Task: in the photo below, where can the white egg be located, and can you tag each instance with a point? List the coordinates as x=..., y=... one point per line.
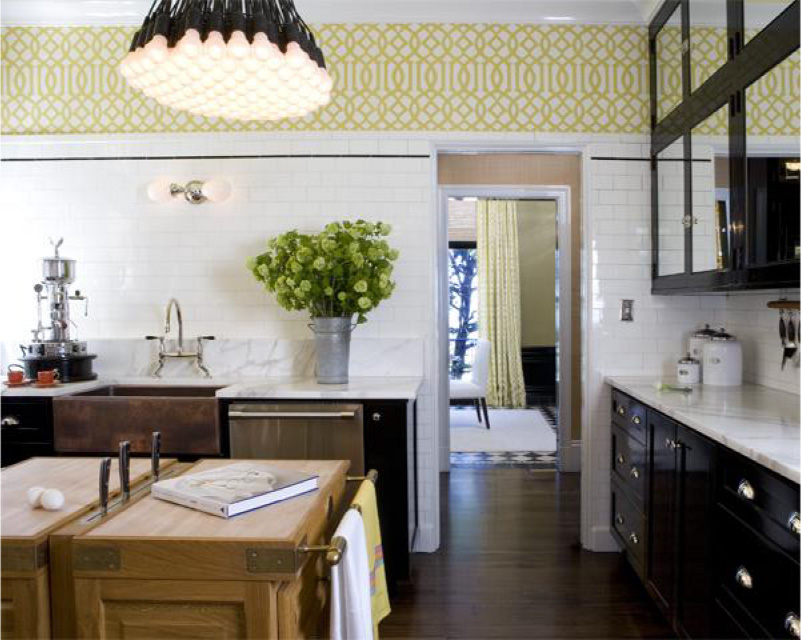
x=52, y=500
x=35, y=496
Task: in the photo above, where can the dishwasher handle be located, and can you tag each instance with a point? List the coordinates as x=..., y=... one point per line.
x=241, y=414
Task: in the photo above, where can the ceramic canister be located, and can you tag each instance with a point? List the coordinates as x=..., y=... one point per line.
x=723, y=361
x=695, y=347
x=688, y=371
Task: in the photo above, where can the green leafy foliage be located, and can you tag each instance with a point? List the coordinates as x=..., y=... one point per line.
x=344, y=270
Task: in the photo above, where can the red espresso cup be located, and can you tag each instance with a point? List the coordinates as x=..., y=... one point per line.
x=15, y=375
x=47, y=377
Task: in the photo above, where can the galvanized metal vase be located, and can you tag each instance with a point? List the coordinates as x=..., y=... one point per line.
x=332, y=340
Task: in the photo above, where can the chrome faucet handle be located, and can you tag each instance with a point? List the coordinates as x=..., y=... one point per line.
x=199, y=354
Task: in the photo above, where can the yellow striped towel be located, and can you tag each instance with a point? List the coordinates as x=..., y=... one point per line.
x=366, y=499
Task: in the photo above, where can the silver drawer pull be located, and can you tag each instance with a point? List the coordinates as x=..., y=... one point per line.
x=672, y=444
x=621, y=459
x=636, y=420
x=744, y=578
x=619, y=519
x=621, y=410
x=793, y=625
x=238, y=414
x=635, y=473
x=794, y=523
x=9, y=421
x=745, y=490
x=634, y=538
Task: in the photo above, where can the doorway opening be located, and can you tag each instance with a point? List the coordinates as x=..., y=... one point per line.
x=503, y=288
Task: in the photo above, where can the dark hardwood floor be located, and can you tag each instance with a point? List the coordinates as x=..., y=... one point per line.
x=510, y=567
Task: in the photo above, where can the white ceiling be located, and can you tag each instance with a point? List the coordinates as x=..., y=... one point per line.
x=66, y=12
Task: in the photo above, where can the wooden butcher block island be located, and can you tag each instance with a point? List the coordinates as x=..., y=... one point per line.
x=162, y=571
x=28, y=574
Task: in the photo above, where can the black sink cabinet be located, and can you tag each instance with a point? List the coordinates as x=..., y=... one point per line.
x=27, y=428
x=715, y=538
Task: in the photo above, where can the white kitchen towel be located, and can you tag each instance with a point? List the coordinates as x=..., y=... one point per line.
x=351, y=606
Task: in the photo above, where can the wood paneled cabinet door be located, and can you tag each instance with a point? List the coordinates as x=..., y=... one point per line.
x=679, y=524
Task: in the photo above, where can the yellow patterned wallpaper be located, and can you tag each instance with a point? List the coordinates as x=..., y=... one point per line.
x=395, y=77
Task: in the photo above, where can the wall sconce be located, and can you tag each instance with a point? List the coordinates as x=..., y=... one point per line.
x=163, y=190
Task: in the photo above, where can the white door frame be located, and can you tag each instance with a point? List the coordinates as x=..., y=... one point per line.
x=568, y=459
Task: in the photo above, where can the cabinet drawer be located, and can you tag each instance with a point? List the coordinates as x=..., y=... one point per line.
x=628, y=526
x=629, y=414
x=628, y=463
x=756, y=574
x=767, y=502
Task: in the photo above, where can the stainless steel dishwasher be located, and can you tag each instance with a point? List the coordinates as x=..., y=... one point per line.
x=298, y=431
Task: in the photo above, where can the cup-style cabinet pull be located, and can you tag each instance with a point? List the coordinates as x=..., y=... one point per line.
x=744, y=578
x=620, y=459
x=621, y=410
x=10, y=421
x=619, y=519
x=670, y=444
x=634, y=473
x=634, y=538
x=636, y=420
x=793, y=625
x=745, y=490
x=794, y=523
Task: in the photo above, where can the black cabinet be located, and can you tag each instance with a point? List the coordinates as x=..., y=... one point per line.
x=680, y=499
x=27, y=429
x=725, y=148
x=720, y=532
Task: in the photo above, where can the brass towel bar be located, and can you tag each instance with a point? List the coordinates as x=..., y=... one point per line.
x=784, y=304
x=334, y=550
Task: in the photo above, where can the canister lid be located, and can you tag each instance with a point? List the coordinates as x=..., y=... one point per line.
x=707, y=332
x=723, y=335
x=689, y=360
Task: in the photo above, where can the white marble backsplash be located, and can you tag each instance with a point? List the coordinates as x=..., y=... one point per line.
x=246, y=358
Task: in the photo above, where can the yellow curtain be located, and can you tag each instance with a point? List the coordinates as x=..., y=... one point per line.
x=499, y=299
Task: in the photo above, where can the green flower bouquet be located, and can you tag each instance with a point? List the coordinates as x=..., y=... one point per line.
x=344, y=271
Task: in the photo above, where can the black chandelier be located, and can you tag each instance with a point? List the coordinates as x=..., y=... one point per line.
x=239, y=59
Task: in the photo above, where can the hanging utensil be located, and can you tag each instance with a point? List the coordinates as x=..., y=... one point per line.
x=783, y=336
x=792, y=346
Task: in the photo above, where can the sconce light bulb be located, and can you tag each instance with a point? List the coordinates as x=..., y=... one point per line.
x=159, y=190
x=216, y=190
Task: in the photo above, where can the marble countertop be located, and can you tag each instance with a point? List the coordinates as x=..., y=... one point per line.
x=760, y=423
x=357, y=388
x=270, y=388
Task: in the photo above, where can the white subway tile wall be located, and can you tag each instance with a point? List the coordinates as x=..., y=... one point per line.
x=617, y=265
x=133, y=254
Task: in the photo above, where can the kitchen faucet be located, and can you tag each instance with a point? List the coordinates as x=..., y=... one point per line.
x=174, y=303
x=179, y=352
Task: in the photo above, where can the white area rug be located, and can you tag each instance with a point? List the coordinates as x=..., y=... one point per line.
x=511, y=430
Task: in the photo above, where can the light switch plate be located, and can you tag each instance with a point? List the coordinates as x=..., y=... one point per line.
x=627, y=310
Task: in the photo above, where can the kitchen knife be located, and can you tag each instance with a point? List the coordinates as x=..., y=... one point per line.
x=155, y=454
x=105, y=474
x=783, y=336
x=125, y=470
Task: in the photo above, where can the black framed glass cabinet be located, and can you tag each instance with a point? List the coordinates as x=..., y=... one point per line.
x=725, y=153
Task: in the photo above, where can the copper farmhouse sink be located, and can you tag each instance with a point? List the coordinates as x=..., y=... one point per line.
x=94, y=422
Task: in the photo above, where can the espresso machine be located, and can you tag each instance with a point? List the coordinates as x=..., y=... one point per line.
x=51, y=347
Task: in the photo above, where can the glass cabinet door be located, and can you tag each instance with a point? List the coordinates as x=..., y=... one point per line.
x=668, y=65
x=708, y=39
x=758, y=14
x=711, y=202
x=670, y=169
x=772, y=165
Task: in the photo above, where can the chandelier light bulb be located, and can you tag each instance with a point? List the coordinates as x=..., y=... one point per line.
x=238, y=45
x=215, y=45
x=190, y=44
